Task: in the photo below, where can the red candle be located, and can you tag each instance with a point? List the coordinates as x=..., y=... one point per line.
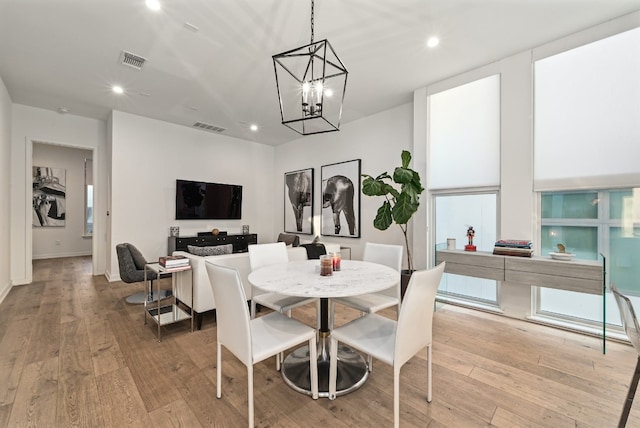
x=336, y=261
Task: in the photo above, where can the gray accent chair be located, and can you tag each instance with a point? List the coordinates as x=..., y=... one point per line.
x=131, y=263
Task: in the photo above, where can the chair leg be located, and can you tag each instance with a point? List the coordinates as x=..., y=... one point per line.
x=396, y=396
x=369, y=357
x=219, y=371
x=250, y=393
x=253, y=309
x=630, y=396
x=332, y=311
x=333, y=368
x=429, y=373
x=313, y=367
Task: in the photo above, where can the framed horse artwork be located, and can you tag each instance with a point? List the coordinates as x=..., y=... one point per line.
x=298, y=201
x=341, y=199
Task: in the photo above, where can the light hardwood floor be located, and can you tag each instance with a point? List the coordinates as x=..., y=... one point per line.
x=74, y=353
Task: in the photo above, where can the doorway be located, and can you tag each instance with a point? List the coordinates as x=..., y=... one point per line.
x=57, y=224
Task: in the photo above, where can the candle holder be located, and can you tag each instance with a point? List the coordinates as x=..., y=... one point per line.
x=326, y=265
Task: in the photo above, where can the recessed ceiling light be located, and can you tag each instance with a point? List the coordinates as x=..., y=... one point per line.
x=432, y=42
x=63, y=110
x=117, y=89
x=153, y=4
x=254, y=127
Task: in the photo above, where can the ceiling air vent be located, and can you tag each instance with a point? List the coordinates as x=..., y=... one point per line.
x=208, y=127
x=132, y=60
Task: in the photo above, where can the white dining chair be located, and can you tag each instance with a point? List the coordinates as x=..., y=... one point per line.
x=631, y=328
x=384, y=254
x=253, y=340
x=263, y=255
x=394, y=342
x=267, y=254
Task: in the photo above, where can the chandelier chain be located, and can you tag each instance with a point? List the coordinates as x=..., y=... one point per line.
x=312, y=5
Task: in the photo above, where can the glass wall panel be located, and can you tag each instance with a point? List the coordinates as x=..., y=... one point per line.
x=624, y=247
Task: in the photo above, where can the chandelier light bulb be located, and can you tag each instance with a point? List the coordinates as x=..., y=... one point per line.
x=306, y=87
x=318, y=90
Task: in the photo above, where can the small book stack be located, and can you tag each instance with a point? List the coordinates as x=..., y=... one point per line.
x=513, y=247
x=174, y=263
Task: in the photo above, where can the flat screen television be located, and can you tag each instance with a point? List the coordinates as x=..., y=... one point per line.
x=208, y=201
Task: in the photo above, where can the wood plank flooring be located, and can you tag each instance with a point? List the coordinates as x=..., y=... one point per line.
x=73, y=353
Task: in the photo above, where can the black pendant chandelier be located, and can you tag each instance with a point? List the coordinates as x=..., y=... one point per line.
x=311, y=81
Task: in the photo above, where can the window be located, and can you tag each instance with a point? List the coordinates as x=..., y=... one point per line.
x=590, y=223
x=88, y=197
x=586, y=109
x=464, y=135
x=586, y=105
x=454, y=213
x=464, y=175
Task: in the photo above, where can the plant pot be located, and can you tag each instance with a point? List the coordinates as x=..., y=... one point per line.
x=405, y=276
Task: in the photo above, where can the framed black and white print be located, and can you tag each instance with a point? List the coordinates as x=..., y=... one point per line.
x=49, y=196
x=298, y=201
x=341, y=199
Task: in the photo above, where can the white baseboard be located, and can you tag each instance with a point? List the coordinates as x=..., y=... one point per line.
x=111, y=278
x=4, y=292
x=59, y=255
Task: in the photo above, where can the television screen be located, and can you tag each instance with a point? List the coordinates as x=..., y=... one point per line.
x=211, y=201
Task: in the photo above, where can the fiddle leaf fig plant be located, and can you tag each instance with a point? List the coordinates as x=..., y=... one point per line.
x=399, y=204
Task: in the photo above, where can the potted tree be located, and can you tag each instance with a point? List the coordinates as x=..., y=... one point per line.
x=398, y=205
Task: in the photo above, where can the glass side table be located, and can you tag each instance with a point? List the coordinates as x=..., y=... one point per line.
x=166, y=311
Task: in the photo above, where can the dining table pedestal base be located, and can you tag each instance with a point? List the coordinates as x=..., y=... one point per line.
x=352, y=369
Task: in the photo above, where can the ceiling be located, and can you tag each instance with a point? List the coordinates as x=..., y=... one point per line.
x=65, y=53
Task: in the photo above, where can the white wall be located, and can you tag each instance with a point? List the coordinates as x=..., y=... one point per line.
x=49, y=242
x=378, y=140
x=5, y=186
x=518, y=210
x=33, y=124
x=149, y=155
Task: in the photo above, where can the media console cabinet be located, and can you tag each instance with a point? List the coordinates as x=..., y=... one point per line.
x=240, y=242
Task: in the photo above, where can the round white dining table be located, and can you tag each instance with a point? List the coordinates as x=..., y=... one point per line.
x=303, y=279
